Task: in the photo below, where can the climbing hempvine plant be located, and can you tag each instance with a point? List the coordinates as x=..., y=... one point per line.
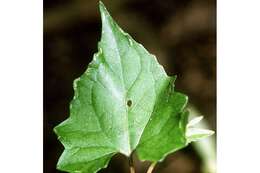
x=123, y=103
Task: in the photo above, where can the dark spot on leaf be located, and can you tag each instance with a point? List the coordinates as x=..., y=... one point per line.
x=129, y=103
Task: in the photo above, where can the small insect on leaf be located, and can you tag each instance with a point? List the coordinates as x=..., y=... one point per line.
x=129, y=103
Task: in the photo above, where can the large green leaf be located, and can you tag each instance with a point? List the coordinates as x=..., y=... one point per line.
x=123, y=102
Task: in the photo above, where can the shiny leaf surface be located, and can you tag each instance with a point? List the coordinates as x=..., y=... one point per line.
x=124, y=102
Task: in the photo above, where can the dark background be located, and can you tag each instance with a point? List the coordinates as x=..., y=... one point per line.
x=182, y=35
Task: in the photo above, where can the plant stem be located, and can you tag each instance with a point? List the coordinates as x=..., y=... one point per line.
x=151, y=167
x=131, y=164
x=132, y=170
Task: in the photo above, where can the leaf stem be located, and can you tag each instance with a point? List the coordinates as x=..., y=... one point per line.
x=131, y=164
x=151, y=167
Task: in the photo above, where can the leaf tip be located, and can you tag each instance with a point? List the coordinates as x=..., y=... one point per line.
x=101, y=5
x=194, y=121
x=54, y=130
x=195, y=134
x=59, y=165
x=103, y=9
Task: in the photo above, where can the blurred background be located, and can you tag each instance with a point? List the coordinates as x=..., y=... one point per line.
x=182, y=35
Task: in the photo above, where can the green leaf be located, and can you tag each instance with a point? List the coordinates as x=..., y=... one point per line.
x=124, y=102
